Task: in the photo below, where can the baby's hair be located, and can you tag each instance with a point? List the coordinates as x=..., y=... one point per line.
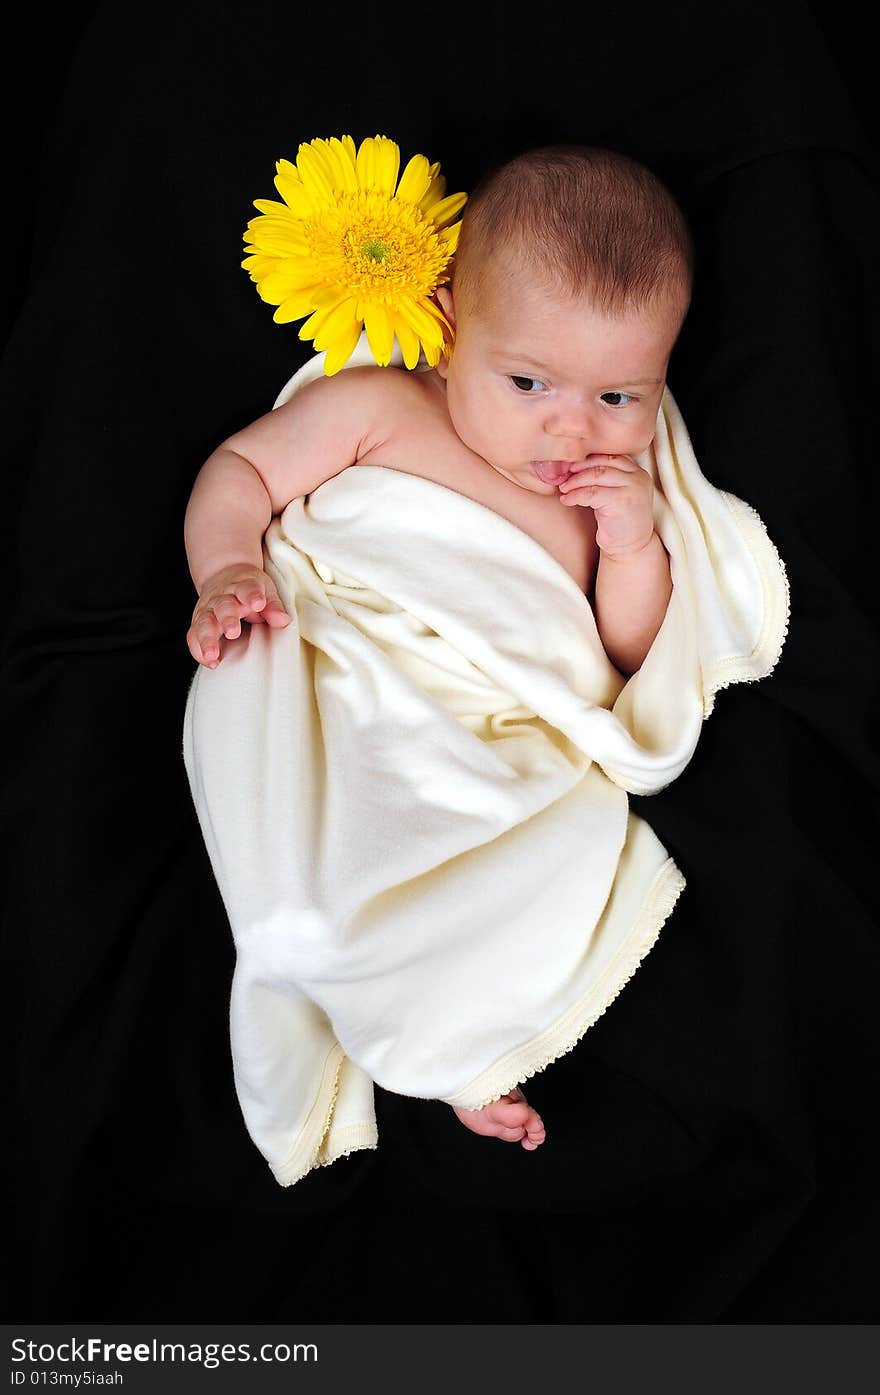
x=582, y=220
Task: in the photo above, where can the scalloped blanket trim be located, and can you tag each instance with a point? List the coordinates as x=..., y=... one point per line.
x=314, y=1146
x=526, y=1061
x=750, y=668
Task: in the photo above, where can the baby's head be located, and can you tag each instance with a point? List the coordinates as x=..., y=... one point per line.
x=570, y=284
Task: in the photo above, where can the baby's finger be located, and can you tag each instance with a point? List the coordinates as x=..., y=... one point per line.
x=620, y=462
x=605, y=474
x=274, y=612
x=274, y=615
x=203, y=646
x=205, y=625
x=228, y=610
x=224, y=621
x=251, y=594
x=589, y=495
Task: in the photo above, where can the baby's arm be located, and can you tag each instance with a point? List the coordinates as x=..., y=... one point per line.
x=252, y=476
x=255, y=473
x=633, y=581
x=631, y=598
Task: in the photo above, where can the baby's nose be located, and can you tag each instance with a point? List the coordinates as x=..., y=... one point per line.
x=575, y=421
x=572, y=426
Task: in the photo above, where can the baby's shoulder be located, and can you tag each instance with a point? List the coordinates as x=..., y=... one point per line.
x=388, y=403
x=376, y=398
x=367, y=385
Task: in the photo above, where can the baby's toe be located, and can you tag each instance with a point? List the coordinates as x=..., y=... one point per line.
x=511, y=1135
x=534, y=1131
x=511, y=1114
x=519, y=1116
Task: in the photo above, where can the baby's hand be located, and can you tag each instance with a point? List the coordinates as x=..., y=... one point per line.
x=621, y=494
x=238, y=592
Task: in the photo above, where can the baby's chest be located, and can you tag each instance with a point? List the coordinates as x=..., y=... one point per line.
x=436, y=453
x=571, y=538
x=567, y=533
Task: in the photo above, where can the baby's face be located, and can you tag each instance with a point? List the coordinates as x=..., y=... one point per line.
x=537, y=382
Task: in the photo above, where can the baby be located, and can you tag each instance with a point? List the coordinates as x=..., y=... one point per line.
x=570, y=284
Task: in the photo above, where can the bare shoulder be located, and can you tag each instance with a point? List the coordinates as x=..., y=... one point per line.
x=322, y=429
x=355, y=384
x=365, y=402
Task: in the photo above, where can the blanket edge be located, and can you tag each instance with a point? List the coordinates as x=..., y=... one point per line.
x=764, y=657
x=565, y=1033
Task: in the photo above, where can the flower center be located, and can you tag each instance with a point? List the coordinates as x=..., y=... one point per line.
x=376, y=247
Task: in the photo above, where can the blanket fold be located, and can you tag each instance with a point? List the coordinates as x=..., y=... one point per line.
x=414, y=797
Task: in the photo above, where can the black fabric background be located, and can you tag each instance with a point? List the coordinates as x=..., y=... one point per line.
x=710, y=1155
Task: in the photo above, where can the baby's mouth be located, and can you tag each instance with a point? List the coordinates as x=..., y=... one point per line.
x=552, y=471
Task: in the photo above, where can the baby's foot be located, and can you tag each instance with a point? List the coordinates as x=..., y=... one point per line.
x=510, y=1118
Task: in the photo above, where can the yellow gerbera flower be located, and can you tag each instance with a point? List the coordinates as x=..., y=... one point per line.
x=352, y=251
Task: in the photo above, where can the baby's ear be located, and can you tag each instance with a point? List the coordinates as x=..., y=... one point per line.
x=443, y=297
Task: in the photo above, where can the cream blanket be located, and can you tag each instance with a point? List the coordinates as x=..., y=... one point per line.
x=414, y=797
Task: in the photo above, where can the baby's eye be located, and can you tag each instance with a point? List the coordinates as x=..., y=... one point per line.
x=523, y=384
x=628, y=396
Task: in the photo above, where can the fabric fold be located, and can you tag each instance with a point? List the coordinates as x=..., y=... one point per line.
x=414, y=797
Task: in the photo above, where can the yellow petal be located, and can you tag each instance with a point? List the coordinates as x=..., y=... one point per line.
x=306, y=329
x=345, y=171
x=295, y=197
x=426, y=326
x=328, y=296
x=280, y=239
x=255, y=224
x=272, y=208
x=364, y=163
x=380, y=331
x=297, y=275
x=450, y=236
x=259, y=265
x=331, y=297
x=434, y=192
x=387, y=164
x=414, y=180
x=295, y=306
x=268, y=297
x=408, y=341
x=341, y=351
x=283, y=227
x=280, y=284
x=337, y=324
x=434, y=309
x=378, y=161
x=329, y=155
x=443, y=212
x=289, y=171
x=315, y=178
